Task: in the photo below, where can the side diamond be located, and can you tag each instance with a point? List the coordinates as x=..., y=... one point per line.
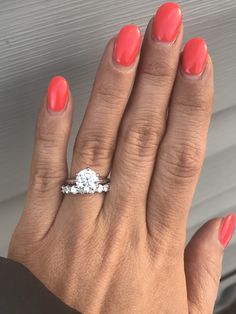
x=100, y=188
x=74, y=190
x=65, y=189
x=105, y=187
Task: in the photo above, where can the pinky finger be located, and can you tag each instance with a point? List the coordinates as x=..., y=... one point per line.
x=49, y=165
x=203, y=259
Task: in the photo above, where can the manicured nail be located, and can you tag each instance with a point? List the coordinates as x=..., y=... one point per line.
x=127, y=45
x=58, y=92
x=167, y=21
x=227, y=229
x=194, y=56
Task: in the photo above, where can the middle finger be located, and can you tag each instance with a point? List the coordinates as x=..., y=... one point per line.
x=144, y=121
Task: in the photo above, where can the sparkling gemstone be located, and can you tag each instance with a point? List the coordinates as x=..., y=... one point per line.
x=73, y=189
x=65, y=189
x=87, y=181
x=86, y=189
x=105, y=187
x=100, y=188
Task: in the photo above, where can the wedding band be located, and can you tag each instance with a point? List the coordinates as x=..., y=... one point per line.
x=87, y=181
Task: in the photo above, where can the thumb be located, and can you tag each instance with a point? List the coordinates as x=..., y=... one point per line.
x=203, y=259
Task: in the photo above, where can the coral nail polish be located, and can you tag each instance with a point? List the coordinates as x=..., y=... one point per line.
x=194, y=56
x=127, y=45
x=167, y=21
x=227, y=229
x=58, y=92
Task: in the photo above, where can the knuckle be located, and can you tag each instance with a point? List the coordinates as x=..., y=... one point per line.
x=194, y=104
x=107, y=94
x=94, y=150
x=45, y=178
x=47, y=137
x=157, y=72
x=210, y=270
x=49, y=168
x=181, y=160
x=141, y=137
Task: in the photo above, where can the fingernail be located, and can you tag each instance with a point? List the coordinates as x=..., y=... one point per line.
x=167, y=22
x=227, y=229
x=58, y=92
x=127, y=45
x=194, y=56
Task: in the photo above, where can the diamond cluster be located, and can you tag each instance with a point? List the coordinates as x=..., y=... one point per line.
x=67, y=189
x=87, y=182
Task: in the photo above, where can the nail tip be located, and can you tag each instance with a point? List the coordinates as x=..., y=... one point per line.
x=230, y=218
x=167, y=21
x=197, y=41
x=194, y=56
x=58, y=79
x=58, y=94
x=127, y=44
x=227, y=229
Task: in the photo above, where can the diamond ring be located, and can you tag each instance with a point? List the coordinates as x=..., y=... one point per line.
x=86, y=181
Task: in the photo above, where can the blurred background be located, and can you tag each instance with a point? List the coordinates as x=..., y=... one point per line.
x=40, y=39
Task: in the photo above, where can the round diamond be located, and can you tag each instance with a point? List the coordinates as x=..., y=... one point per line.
x=87, y=181
x=105, y=187
x=100, y=188
x=65, y=189
x=74, y=190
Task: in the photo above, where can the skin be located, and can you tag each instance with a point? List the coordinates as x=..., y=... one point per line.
x=124, y=251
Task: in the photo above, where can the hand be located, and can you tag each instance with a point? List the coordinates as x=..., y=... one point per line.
x=124, y=251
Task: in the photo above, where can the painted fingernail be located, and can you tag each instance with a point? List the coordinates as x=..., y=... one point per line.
x=58, y=92
x=127, y=45
x=227, y=229
x=167, y=21
x=194, y=56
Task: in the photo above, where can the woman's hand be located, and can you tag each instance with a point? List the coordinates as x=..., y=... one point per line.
x=124, y=251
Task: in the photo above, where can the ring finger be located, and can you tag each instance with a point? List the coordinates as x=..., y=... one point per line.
x=96, y=138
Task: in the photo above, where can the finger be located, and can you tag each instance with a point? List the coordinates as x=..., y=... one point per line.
x=96, y=138
x=203, y=259
x=181, y=153
x=49, y=165
x=145, y=117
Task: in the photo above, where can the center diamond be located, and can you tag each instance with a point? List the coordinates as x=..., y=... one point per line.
x=87, y=180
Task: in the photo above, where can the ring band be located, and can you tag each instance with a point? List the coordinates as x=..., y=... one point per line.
x=87, y=181
x=101, y=180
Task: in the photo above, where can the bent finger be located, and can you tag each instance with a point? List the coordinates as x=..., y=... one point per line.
x=203, y=259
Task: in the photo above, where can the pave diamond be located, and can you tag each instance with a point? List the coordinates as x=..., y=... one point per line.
x=74, y=190
x=100, y=188
x=87, y=181
x=105, y=187
x=65, y=189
